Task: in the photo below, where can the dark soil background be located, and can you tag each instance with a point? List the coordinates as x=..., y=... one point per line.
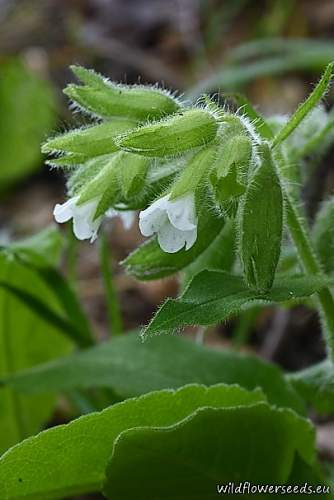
x=178, y=43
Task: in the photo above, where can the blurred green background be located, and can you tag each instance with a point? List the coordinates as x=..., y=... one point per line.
x=271, y=50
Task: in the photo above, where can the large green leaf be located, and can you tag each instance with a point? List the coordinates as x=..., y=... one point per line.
x=39, y=253
x=214, y=296
x=27, y=114
x=309, y=478
x=316, y=386
x=25, y=340
x=71, y=459
x=41, y=249
x=131, y=368
x=212, y=447
x=149, y=262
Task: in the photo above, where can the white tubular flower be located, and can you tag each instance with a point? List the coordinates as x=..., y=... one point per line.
x=174, y=222
x=84, y=225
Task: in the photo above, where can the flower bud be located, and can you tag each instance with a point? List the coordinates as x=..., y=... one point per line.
x=104, y=186
x=194, y=172
x=89, y=141
x=84, y=173
x=171, y=136
x=105, y=99
x=229, y=176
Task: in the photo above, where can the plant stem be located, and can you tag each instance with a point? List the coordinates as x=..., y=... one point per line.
x=113, y=308
x=307, y=256
x=72, y=256
x=244, y=326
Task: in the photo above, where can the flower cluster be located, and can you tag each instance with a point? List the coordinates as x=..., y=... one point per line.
x=150, y=152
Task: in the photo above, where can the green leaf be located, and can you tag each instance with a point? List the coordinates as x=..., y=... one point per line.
x=27, y=114
x=41, y=249
x=214, y=296
x=163, y=362
x=149, y=262
x=43, y=311
x=171, y=136
x=211, y=447
x=80, y=330
x=26, y=339
x=323, y=235
x=39, y=253
x=316, y=386
x=90, y=141
x=103, y=98
x=71, y=459
x=313, y=99
x=313, y=477
x=261, y=224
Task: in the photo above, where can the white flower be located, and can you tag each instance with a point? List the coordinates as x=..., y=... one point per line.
x=174, y=221
x=84, y=225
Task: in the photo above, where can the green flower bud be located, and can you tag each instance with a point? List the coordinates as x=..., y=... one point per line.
x=85, y=173
x=114, y=179
x=104, y=183
x=198, y=167
x=229, y=176
x=105, y=99
x=91, y=141
x=171, y=136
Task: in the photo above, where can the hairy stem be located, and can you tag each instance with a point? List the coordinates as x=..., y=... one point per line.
x=113, y=308
x=308, y=258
